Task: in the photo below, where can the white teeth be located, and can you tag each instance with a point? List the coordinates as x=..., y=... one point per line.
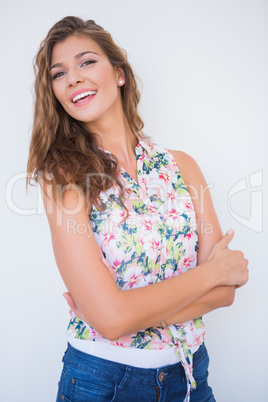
x=83, y=94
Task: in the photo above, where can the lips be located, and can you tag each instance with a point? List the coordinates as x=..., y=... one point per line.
x=83, y=96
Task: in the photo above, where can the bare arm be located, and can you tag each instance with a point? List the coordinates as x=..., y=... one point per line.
x=109, y=310
x=212, y=300
x=209, y=233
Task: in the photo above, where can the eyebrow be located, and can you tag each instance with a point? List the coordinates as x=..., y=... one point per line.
x=77, y=56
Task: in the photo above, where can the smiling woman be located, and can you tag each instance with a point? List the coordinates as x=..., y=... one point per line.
x=80, y=60
x=122, y=218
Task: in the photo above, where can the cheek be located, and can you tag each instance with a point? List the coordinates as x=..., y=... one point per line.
x=106, y=78
x=111, y=90
x=58, y=93
x=61, y=99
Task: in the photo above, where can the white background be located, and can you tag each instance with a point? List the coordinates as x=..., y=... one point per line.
x=204, y=67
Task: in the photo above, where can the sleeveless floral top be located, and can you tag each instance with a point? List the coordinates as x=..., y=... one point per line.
x=158, y=240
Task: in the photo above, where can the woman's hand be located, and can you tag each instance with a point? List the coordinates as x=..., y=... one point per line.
x=108, y=266
x=231, y=265
x=73, y=306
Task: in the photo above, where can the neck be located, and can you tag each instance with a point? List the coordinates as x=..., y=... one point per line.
x=116, y=137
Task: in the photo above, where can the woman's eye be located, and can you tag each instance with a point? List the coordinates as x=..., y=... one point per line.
x=87, y=62
x=57, y=75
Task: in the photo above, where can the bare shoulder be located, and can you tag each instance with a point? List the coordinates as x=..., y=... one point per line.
x=181, y=156
x=66, y=201
x=188, y=167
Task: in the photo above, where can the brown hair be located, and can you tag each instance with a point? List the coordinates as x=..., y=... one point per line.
x=62, y=147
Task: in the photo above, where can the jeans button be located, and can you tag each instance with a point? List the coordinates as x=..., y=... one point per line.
x=161, y=376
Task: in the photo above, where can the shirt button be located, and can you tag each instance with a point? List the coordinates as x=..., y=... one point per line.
x=161, y=376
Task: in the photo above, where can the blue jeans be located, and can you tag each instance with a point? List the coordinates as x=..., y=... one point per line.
x=87, y=378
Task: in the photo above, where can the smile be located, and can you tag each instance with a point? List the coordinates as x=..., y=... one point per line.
x=83, y=97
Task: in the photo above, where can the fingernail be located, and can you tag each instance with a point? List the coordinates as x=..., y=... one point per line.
x=230, y=232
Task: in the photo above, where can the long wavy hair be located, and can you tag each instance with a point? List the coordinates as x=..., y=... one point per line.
x=62, y=150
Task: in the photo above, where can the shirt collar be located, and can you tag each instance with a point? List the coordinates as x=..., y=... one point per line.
x=139, y=148
x=143, y=145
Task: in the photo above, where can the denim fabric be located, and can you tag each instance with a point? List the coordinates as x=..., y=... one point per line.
x=87, y=378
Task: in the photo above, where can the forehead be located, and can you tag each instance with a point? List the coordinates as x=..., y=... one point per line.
x=74, y=45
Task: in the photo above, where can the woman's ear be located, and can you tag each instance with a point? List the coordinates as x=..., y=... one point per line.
x=120, y=76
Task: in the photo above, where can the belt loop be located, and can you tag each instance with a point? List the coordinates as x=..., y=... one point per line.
x=125, y=377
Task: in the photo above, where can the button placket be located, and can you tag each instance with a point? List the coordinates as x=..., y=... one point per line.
x=138, y=188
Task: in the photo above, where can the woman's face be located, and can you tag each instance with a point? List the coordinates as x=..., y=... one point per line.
x=84, y=81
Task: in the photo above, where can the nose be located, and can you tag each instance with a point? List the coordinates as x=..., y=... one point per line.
x=74, y=77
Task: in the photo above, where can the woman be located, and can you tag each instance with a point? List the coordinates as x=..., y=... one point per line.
x=101, y=175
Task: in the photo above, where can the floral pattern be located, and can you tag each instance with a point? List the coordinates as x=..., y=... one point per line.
x=158, y=240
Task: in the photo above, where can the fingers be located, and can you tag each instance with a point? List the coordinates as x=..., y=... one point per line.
x=225, y=240
x=101, y=253
x=105, y=262
x=110, y=268
x=72, y=304
x=70, y=301
x=240, y=263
